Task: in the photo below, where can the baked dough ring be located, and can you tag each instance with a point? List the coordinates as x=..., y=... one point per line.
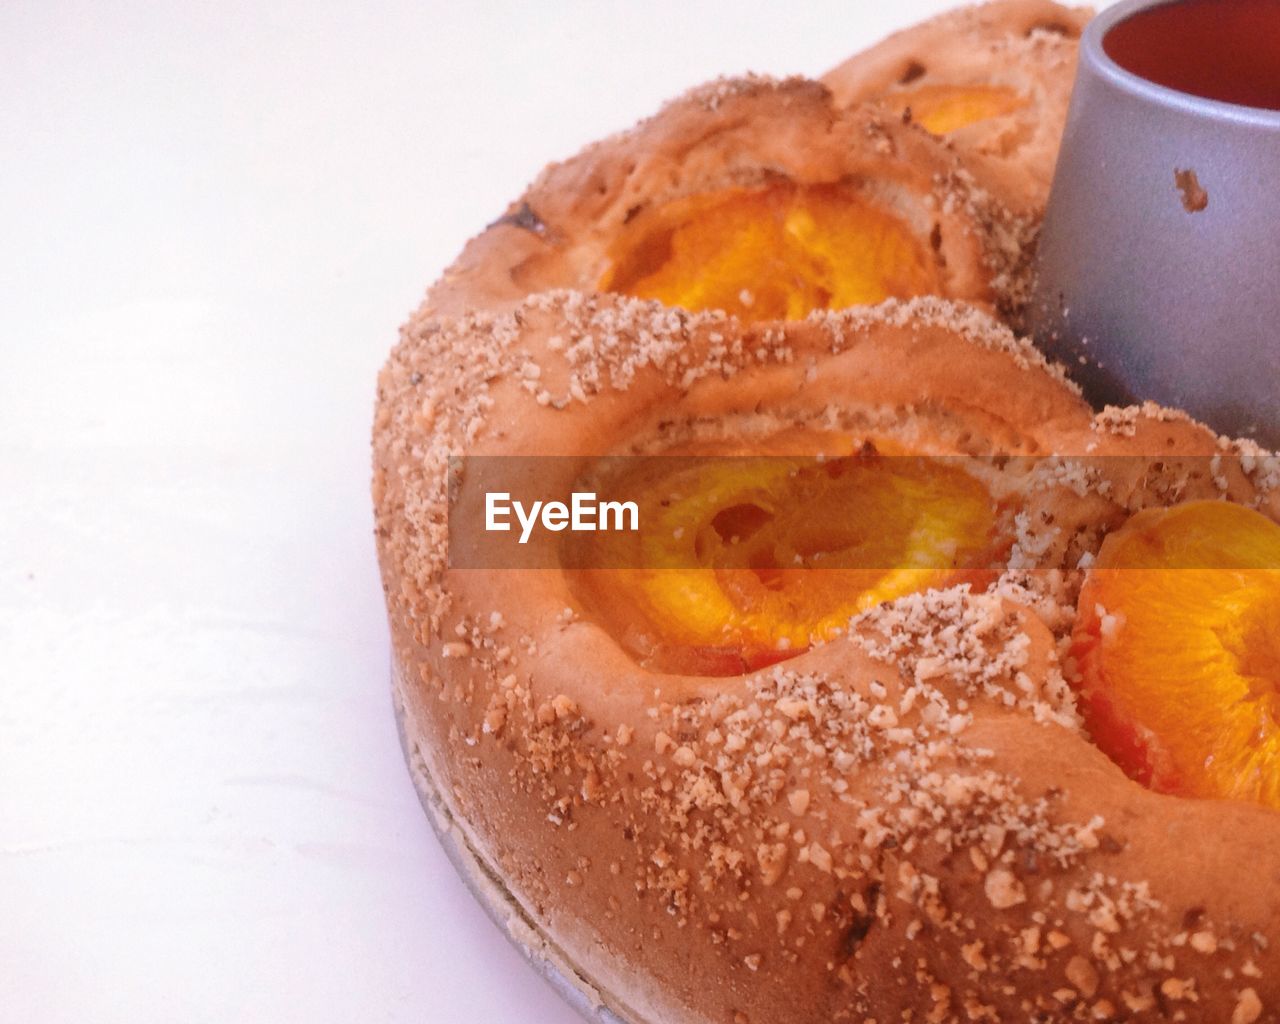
x=575, y=223
x=994, y=79
x=903, y=824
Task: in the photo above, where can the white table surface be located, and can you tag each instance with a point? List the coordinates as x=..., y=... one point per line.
x=212, y=219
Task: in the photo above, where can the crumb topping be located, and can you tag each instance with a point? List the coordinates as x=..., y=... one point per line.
x=847, y=807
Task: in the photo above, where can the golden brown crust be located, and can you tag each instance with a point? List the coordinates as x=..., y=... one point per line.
x=829, y=839
x=1028, y=46
x=738, y=132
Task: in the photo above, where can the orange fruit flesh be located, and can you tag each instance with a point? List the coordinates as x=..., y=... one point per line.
x=741, y=562
x=942, y=109
x=1178, y=648
x=773, y=253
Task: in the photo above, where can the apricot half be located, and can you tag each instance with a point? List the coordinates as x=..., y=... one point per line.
x=942, y=109
x=773, y=253
x=744, y=561
x=1177, y=644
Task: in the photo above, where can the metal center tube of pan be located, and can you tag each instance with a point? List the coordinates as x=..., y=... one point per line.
x=1159, y=259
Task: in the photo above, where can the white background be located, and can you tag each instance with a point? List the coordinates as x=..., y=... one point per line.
x=212, y=219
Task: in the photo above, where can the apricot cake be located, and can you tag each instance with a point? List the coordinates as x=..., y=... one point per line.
x=917, y=690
